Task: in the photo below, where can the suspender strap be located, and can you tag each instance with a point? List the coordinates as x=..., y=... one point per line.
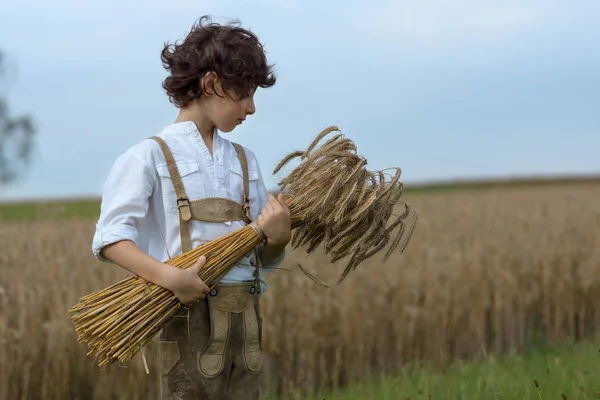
x=246, y=206
x=183, y=203
x=244, y=162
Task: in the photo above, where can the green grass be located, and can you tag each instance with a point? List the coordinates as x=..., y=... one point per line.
x=32, y=210
x=570, y=372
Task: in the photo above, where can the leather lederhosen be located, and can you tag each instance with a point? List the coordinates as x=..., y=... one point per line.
x=213, y=350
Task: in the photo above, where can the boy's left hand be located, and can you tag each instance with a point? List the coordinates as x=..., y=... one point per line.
x=275, y=221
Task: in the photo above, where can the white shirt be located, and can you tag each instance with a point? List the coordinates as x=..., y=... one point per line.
x=139, y=201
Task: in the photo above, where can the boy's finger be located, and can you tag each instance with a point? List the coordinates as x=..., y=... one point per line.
x=205, y=288
x=200, y=261
x=269, y=207
x=277, y=201
x=281, y=201
x=276, y=206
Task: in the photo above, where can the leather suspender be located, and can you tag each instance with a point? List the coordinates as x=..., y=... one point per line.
x=207, y=209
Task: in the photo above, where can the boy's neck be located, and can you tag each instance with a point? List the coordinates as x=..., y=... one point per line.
x=204, y=126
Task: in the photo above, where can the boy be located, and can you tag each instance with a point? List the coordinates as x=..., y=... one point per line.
x=189, y=185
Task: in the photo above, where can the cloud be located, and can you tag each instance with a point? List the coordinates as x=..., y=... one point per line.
x=437, y=23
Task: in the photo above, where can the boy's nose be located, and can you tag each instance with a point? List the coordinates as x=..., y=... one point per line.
x=250, y=108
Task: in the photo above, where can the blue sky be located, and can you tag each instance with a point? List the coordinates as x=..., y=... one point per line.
x=441, y=89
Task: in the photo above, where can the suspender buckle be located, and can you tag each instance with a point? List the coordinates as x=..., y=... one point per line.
x=246, y=210
x=185, y=212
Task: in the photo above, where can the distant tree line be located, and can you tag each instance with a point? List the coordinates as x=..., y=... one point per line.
x=16, y=136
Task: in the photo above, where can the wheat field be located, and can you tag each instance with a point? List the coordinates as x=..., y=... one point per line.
x=486, y=271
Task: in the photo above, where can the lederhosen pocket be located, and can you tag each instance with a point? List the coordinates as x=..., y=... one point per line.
x=226, y=303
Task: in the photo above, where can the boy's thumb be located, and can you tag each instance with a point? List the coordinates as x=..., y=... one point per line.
x=200, y=263
x=280, y=198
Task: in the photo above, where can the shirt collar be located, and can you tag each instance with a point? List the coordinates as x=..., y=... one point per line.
x=189, y=129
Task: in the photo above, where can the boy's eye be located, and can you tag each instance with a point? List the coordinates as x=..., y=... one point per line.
x=246, y=95
x=249, y=93
x=242, y=94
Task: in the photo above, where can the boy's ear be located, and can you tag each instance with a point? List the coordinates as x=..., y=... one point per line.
x=211, y=84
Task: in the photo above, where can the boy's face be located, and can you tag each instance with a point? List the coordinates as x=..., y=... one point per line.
x=229, y=110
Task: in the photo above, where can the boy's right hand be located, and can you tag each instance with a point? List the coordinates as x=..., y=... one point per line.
x=187, y=285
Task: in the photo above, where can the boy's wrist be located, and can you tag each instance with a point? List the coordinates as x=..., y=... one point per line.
x=167, y=276
x=279, y=241
x=276, y=244
x=270, y=251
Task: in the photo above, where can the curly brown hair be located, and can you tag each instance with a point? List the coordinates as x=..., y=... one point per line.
x=234, y=54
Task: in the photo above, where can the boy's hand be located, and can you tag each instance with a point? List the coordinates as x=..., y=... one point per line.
x=275, y=221
x=187, y=285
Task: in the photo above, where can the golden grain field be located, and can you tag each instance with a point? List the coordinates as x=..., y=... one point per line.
x=486, y=271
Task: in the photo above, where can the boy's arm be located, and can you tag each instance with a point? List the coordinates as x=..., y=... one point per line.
x=125, y=202
x=185, y=284
x=272, y=253
x=129, y=256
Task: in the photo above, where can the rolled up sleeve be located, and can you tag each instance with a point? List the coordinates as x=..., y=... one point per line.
x=125, y=201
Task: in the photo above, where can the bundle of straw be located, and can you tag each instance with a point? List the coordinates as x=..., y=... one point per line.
x=333, y=200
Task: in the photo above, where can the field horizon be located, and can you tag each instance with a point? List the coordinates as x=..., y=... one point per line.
x=87, y=206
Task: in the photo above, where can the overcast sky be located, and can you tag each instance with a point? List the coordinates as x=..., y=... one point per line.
x=442, y=89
